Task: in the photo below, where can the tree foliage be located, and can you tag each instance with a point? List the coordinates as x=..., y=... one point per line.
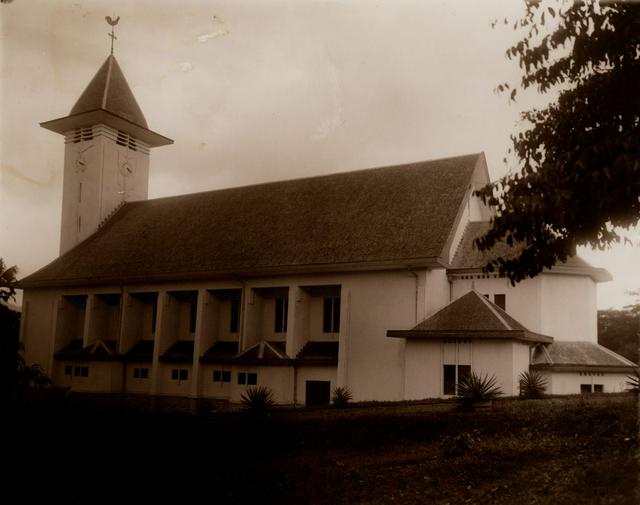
x=577, y=177
x=8, y=282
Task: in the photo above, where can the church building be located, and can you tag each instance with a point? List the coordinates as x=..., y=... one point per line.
x=367, y=280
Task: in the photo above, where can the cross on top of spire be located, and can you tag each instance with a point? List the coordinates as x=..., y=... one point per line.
x=113, y=23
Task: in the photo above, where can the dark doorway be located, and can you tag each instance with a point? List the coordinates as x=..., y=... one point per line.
x=317, y=392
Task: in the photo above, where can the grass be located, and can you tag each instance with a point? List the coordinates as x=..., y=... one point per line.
x=569, y=450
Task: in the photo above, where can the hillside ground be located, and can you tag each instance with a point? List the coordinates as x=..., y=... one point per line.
x=560, y=450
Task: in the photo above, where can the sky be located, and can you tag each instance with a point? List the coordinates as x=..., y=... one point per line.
x=256, y=91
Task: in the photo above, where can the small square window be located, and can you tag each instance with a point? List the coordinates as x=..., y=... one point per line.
x=84, y=371
x=226, y=376
x=500, y=301
x=242, y=378
x=141, y=373
x=174, y=374
x=585, y=388
x=217, y=376
x=68, y=369
x=598, y=388
x=252, y=379
x=184, y=374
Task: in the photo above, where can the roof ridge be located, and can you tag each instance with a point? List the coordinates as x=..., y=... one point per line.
x=614, y=354
x=310, y=177
x=107, y=82
x=488, y=303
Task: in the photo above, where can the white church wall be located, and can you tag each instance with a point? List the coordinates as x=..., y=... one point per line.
x=169, y=386
x=277, y=378
x=371, y=303
x=495, y=358
x=379, y=302
x=569, y=307
x=37, y=329
x=521, y=360
x=313, y=373
x=423, y=372
x=523, y=301
x=568, y=383
x=138, y=384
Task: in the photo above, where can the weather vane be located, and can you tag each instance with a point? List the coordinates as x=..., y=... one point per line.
x=112, y=23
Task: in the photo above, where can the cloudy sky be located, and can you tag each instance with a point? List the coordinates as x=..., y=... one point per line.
x=254, y=91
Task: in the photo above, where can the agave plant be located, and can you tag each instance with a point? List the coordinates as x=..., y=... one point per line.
x=341, y=396
x=258, y=400
x=476, y=388
x=633, y=382
x=532, y=384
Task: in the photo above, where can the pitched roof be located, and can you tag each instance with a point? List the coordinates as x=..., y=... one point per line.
x=141, y=351
x=469, y=257
x=181, y=351
x=319, y=352
x=575, y=356
x=108, y=99
x=363, y=219
x=100, y=350
x=110, y=91
x=222, y=349
x=470, y=316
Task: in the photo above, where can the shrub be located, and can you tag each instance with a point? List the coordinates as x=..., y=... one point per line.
x=460, y=444
x=258, y=400
x=633, y=382
x=475, y=388
x=341, y=396
x=532, y=384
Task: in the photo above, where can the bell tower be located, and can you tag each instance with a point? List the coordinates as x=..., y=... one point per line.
x=106, y=160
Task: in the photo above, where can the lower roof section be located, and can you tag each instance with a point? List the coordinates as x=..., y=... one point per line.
x=472, y=316
x=579, y=356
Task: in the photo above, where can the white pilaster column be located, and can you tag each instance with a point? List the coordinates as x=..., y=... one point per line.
x=158, y=341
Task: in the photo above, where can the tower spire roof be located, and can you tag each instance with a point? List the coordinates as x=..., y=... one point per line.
x=109, y=90
x=108, y=100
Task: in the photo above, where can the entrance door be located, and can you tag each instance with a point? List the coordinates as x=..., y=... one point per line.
x=317, y=392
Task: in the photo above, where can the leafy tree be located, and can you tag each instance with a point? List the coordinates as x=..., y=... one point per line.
x=619, y=330
x=577, y=177
x=8, y=282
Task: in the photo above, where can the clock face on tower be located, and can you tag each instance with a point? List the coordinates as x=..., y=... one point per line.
x=81, y=160
x=127, y=168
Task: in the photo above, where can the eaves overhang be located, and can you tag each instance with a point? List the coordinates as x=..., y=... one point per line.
x=232, y=273
x=520, y=335
x=583, y=368
x=73, y=122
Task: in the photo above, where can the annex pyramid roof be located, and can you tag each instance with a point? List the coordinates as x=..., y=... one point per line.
x=472, y=316
x=390, y=217
x=469, y=258
x=579, y=356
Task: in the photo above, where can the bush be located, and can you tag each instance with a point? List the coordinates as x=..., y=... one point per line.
x=633, y=382
x=532, y=384
x=475, y=388
x=258, y=401
x=341, y=396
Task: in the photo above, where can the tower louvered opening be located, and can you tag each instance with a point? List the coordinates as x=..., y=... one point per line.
x=126, y=140
x=82, y=134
